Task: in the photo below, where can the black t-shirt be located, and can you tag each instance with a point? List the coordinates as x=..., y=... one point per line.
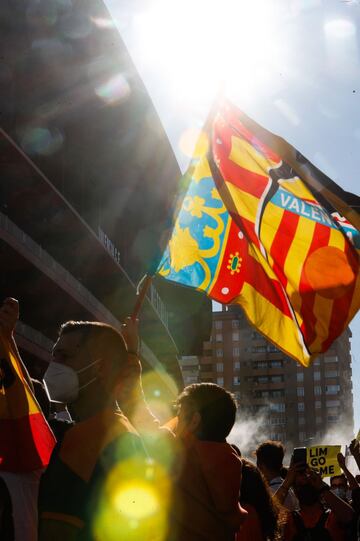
x=72, y=487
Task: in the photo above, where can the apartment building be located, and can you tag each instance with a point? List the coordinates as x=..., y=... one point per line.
x=293, y=404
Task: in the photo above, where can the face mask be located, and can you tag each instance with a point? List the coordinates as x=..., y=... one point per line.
x=62, y=382
x=340, y=492
x=307, y=495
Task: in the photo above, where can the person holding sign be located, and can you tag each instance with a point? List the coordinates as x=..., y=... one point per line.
x=322, y=515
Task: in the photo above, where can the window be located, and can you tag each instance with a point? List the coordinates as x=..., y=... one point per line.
x=220, y=381
x=237, y=395
x=277, y=379
x=276, y=364
x=302, y=436
x=280, y=407
x=301, y=420
x=237, y=365
x=260, y=365
x=219, y=353
x=317, y=390
x=300, y=391
x=277, y=393
x=271, y=348
x=332, y=403
x=218, y=324
x=331, y=359
x=218, y=337
x=236, y=380
x=188, y=380
x=254, y=335
x=332, y=418
x=332, y=389
x=236, y=336
x=318, y=419
x=317, y=376
x=317, y=361
x=236, y=352
x=277, y=420
x=301, y=406
x=258, y=349
x=317, y=404
x=331, y=373
x=300, y=377
x=219, y=367
x=262, y=379
x=235, y=323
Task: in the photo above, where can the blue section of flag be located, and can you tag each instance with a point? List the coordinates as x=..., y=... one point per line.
x=200, y=229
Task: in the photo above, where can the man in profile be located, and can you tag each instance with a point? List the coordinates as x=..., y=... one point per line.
x=85, y=374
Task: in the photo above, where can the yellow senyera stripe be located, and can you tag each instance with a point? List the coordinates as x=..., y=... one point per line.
x=245, y=204
x=202, y=170
x=280, y=329
x=297, y=187
x=322, y=310
x=337, y=239
x=244, y=154
x=295, y=259
x=269, y=227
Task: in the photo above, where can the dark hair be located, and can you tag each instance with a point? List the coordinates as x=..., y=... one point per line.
x=341, y=476
x=216, y=406
x=255, y=492
x=271, y=455
x=88, y=330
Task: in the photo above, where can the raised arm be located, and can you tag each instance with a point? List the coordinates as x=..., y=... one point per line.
x=131, y=398
x=282, y=491
x=349, y=476
x=342, y=510
x=355, y=451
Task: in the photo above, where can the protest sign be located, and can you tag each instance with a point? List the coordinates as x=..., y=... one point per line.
x=324, y=459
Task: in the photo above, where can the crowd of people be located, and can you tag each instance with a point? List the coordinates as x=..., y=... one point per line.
x=117, y=474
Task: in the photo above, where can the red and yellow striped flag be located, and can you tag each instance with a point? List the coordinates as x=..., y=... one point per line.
x=300, y=240
x=26, y=440
x=261, y=227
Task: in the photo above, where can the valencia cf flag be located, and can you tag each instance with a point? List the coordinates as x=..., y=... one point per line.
x=261, y=227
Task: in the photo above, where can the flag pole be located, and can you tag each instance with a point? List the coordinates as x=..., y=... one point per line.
x=142, y=289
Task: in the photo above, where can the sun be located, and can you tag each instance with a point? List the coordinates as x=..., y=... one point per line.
x=200, y=46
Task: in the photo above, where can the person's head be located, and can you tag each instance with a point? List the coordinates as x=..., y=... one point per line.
x=206, y=410
x=88, y=358
x=339, y=485
x=304, y=489
x=255, y=491
x=269, y=458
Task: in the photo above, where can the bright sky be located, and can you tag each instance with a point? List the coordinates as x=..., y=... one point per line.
x=292, y=65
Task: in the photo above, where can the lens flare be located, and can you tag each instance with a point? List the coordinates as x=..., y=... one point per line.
x=114, y=90
x=194, y=143
x=134, y=503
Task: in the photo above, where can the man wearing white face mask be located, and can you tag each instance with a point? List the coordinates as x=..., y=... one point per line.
x=85, y=374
